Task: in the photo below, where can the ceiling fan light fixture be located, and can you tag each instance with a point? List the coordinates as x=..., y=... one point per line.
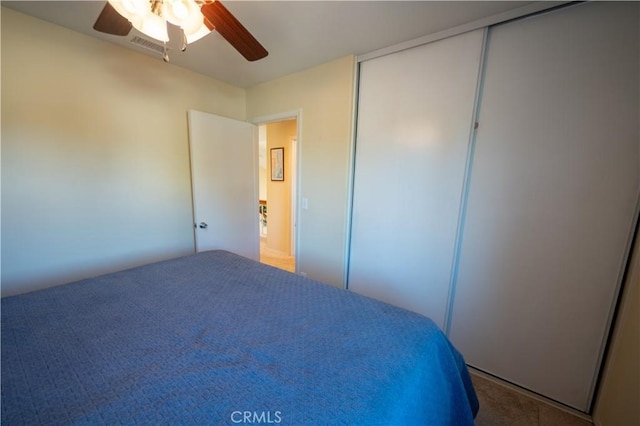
x=193, y=22
x=195, y=18
x=180, y=10
x=201, y=32
x=131, y=10
x=150, y=17
x=154, y=26
x=137, y=7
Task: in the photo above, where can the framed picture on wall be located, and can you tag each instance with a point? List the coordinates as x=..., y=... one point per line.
x=277, y=164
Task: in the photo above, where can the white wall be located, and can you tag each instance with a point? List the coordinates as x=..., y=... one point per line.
x=324, y=94
x=95, y=160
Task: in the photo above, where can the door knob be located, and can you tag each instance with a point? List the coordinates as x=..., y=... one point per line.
x=203, y=225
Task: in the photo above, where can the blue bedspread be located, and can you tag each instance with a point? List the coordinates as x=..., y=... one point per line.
x=215, y=338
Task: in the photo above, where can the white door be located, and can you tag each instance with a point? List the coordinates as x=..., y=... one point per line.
x=224, y=155
x=411, y=154
x=552, y=198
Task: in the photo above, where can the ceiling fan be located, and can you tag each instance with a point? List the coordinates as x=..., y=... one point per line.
x=196, y=18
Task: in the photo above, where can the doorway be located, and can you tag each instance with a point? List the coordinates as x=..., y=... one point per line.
x=277, y=213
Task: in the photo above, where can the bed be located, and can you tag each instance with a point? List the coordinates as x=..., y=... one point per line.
x=215, y=338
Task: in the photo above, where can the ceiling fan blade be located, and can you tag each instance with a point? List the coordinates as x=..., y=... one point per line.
x=233, y=31
x=111, y=22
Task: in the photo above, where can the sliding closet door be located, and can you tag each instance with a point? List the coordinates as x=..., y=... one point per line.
x=415, y=115
x=552, y=198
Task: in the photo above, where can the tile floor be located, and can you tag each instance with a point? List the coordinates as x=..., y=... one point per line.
x=502, y=406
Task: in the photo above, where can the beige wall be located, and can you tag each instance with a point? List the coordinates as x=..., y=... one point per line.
x=618, y=402
x=95, y=160
x=324, y=95
x=279, y=135
x=95, y=169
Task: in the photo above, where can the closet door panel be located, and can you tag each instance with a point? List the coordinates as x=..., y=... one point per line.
x=414, y=119
x=552, y=197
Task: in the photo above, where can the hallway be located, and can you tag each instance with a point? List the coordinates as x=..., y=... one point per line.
x=276, y=258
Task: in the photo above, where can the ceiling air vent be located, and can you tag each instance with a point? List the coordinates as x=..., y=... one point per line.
x=146, y=44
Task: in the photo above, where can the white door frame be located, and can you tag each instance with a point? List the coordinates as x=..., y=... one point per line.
x=294, y=189
x=295, y=184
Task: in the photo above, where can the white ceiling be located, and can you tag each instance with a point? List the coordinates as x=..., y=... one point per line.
x=297, y=34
